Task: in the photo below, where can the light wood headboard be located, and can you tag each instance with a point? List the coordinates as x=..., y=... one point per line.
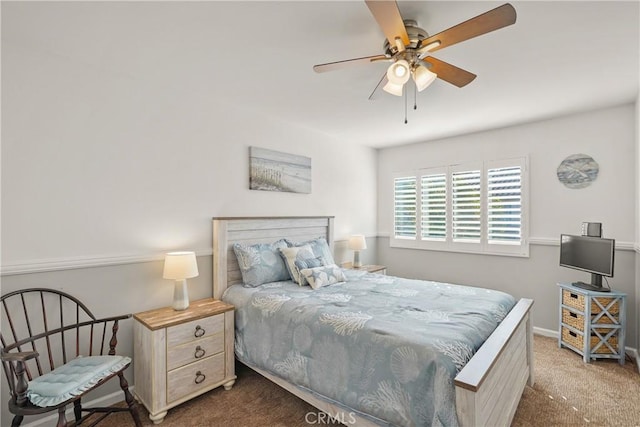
x=250, y=230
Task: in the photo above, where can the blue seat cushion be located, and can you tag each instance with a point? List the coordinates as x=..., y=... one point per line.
x=73, y=378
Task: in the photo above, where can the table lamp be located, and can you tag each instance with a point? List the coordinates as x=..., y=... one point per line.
x=357, y=243
x=180, y=266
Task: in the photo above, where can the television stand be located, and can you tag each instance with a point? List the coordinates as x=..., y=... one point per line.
x=592, y=324
x=590, y=287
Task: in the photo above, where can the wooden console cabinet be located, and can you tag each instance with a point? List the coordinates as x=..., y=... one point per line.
x=592, y=323
x=179, y=355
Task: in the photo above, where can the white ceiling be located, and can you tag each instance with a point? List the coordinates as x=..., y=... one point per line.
x=558, y=58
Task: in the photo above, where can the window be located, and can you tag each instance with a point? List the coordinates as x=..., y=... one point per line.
x=405, y=207
x=474, y=207
x=434, y=206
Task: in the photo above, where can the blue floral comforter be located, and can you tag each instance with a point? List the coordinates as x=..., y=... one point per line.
x=384, y=346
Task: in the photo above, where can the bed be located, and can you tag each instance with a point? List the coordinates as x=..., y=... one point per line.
x=486, y=389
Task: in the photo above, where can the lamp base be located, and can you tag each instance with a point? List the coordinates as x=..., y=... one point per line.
x=356, y=259
x=180, y=295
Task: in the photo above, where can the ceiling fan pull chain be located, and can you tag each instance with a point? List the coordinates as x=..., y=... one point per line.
x=415, y=97
x=405, y=105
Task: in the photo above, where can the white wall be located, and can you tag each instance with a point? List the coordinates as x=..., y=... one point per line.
x=108, y=170
x=608, y=135
x=121, y=183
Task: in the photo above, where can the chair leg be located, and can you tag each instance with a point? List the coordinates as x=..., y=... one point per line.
x=131, y=402
x=17, y=420
x=62, y=420
x=77, y=409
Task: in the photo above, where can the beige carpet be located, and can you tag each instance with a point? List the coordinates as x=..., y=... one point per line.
x=567, y=393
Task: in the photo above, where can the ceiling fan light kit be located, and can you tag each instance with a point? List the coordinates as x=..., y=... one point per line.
x=408, y=47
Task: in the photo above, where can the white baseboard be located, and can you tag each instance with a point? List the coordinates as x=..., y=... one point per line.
x=630, y=351
x=108, y=400
x=545, y=332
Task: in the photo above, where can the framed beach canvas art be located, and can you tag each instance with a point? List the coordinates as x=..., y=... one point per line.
x=271, y=170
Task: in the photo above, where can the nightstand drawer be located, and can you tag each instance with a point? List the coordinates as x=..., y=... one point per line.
x=196, y=329
x=193, y=351
x=184, y=381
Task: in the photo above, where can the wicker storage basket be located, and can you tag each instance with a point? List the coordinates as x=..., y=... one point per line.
x=577, y=340
x=573, y=299
x=572, y=319
x=576, y=300
x=604, y=301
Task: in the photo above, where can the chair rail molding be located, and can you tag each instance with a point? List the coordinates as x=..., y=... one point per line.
x=70, y=263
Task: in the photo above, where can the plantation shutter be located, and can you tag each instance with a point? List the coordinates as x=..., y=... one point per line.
x=466, y=206
x=404, y=208
x=433, y=224
x=504, y=205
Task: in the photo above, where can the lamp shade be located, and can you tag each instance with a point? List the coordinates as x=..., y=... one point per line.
x=357, y=242
x=398, y=73
x=393, y=89
x=423, y=77
x=180, y=265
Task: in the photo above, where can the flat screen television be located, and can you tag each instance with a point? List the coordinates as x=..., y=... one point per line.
x=594, y=255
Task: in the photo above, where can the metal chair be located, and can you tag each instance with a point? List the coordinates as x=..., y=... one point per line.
x=46, y=321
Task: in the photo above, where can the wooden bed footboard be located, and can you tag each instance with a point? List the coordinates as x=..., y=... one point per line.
x=488, y=388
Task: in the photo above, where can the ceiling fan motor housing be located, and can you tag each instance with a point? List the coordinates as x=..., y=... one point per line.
x=415, y=33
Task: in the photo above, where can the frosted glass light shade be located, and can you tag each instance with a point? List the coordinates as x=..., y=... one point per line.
x=357, y=242
x=180, y=265
x=393, y=89
x=398, y=73
x=423, y=77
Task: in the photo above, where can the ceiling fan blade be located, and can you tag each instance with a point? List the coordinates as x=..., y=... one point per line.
x=492, y=20
x=383, y=81
x=330, y=66
x=389, y=19
x=449, y=73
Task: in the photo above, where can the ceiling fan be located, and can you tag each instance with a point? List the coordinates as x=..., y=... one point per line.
x=409, y=47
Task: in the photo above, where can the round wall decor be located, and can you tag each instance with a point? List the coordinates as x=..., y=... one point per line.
x=578, y=171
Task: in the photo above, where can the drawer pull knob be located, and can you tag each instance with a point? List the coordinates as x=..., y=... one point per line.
x=199, y=331
x=574, y=296
x=573, y=315
x=199, y=377
x=199, y=352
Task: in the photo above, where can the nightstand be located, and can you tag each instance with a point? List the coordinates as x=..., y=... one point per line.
x=179, y=355
x=369, y=268
x=592, y=323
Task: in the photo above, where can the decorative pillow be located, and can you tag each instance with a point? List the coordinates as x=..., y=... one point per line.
x=296, y=253
x=319, y=246
x=301, y=264
x=261, y=263
x=323, y=276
